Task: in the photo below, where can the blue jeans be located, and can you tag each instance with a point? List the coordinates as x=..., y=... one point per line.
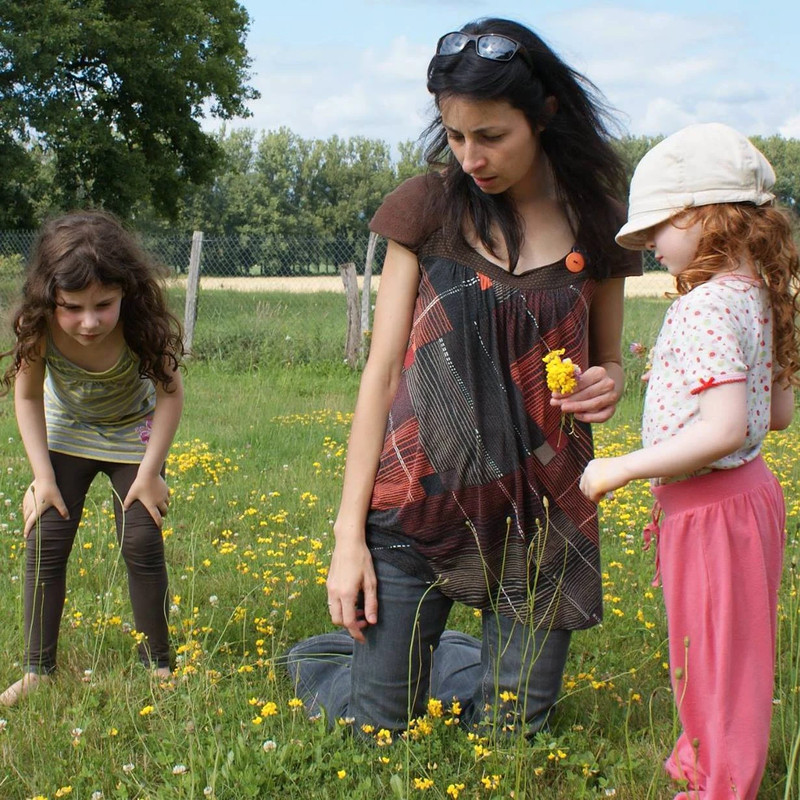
x=408, y=656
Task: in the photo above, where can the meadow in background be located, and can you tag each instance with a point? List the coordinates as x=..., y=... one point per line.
x=255, y=475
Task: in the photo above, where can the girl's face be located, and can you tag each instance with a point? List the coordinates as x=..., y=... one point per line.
x=89, y=315
x=675, y=243
x=494, y=144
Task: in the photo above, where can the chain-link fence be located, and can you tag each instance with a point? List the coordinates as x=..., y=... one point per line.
x=252, y=263
x=239, y=255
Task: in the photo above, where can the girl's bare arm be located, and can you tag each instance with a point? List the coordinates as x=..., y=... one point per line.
x=721, y=429
x=29, y=408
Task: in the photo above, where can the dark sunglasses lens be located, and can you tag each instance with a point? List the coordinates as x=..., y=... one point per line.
x=497, y=48
x=452, y=43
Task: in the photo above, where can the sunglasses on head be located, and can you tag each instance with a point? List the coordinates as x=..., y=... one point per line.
x=493, y=46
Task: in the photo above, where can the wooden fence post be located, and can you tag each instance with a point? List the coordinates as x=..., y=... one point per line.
x=352, y=343
x=366, y=299
x=192, y=286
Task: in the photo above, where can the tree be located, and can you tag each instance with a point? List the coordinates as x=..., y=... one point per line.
x=412, y=160
x=113, y=92
x=784, y=155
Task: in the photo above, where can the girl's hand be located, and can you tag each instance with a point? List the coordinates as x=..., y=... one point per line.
x=595, y=399
x=41, y=495
x=601, y=476
x=352, y=589
x=152, y=492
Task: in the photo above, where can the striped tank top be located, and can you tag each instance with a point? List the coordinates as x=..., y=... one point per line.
x=99, y=415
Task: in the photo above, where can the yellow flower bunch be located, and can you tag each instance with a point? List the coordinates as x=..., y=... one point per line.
x=561, y=373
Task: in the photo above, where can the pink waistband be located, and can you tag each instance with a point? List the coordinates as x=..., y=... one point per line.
x=712, y=487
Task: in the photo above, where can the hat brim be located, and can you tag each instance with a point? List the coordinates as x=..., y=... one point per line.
x=633, y=234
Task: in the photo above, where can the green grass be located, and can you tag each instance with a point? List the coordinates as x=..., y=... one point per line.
x=256, y=474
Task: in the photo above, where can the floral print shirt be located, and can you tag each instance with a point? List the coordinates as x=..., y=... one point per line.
x=720, y=332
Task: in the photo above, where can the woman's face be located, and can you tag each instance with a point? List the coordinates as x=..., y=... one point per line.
x=494, y=144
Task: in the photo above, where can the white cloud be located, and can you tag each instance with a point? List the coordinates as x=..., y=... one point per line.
x=663, y=115
x=661, y=70
x=402, y=61
x=790, y=129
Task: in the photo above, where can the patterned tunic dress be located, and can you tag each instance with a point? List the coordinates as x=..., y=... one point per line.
x=478, y=478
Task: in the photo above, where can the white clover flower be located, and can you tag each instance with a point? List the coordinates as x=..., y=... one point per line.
x=179, y=769
x=213, y=600
x=97, y=796
x=269, y=745
x=127, y=768
x=3, y=725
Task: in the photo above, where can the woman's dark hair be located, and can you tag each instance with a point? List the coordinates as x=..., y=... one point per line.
x=575, y=139
x=86, y=247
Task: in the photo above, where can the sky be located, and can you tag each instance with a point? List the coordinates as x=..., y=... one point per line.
x=357, y=67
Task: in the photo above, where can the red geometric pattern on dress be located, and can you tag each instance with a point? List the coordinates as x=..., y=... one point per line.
x=431, y=321
x=405, y=458
x=531, y=368
x=484, y=281
x=410, y=353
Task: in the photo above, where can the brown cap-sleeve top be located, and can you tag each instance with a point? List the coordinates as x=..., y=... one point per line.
x=412, y=213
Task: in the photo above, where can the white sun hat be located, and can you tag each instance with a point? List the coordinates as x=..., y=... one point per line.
x=699, y=165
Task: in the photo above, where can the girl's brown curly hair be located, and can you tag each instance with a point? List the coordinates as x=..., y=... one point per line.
x=763, y=236
x=85, y=247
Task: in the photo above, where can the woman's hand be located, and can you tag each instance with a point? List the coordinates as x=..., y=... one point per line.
x=41, y=495
x=352, y=588
x=601, y=476
x=152, y=492
x=594, y=400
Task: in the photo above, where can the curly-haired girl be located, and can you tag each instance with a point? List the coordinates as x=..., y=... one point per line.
x=724, y=367
x=96, y=389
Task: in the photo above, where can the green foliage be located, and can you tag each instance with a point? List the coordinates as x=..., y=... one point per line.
x=784, y=155
x=112, y=94
x=280, y=184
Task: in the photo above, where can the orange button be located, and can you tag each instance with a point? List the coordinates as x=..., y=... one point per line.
x=575, y=261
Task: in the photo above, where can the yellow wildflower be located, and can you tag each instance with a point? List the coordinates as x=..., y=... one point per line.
x=435, y=707
x=383, y=738
x=490, y=781
x=561, y=373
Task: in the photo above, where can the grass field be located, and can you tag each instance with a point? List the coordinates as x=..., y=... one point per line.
x=255, y=473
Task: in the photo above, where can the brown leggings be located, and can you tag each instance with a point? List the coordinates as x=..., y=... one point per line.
x=49, y=546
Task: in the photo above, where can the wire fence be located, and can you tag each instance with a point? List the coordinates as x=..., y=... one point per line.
x=239, y=255
x=247, y=262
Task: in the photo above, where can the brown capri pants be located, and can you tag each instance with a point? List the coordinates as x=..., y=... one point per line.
x=49, y=546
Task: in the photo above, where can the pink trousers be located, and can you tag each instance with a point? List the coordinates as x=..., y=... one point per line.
x=721, y=549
